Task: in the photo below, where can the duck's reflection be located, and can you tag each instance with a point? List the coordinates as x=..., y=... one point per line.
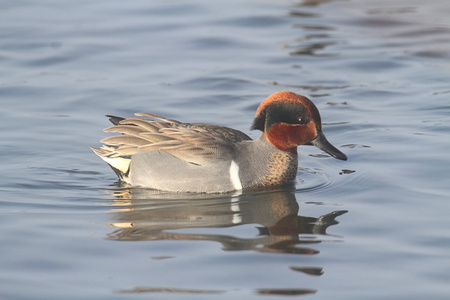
x=151, y=215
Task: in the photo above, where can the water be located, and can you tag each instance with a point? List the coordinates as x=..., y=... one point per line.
x=373, y=227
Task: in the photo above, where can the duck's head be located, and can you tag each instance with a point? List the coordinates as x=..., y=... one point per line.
x=288, y=120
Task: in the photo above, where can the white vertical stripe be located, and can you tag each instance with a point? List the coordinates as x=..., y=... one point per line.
x=234, y=176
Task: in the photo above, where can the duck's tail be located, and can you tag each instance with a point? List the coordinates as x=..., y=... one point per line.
x=119, y=164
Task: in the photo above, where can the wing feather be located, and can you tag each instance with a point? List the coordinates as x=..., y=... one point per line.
x=126, y=129
x=124, y=140
x=193, y=142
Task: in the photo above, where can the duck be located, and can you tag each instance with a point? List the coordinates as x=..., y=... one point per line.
x=163, y=154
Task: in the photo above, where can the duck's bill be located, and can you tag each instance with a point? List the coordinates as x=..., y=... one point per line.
x=321, y=142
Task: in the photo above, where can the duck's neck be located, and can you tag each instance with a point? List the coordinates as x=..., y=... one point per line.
x=283, y=166
x=266, y=165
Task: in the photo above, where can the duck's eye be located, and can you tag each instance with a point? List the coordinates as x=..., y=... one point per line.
x=301, y=120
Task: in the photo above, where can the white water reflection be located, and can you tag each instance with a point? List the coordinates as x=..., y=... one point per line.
x=146, y=215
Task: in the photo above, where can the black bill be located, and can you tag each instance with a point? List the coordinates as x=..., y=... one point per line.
x=321, y=142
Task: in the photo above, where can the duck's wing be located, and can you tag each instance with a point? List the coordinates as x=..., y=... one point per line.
x=192, y=142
